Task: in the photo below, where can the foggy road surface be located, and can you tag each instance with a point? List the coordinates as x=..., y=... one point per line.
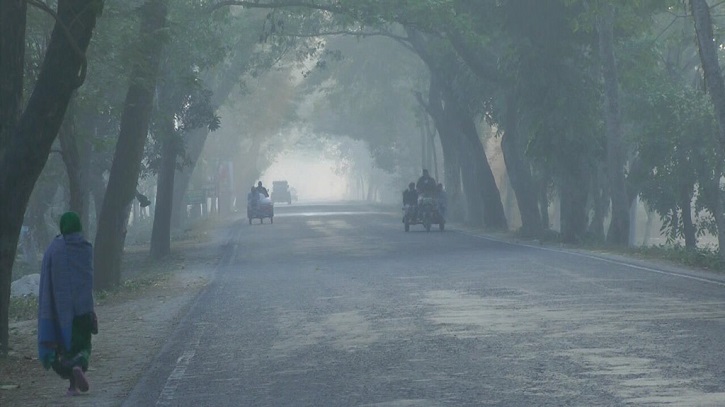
x=337, y=306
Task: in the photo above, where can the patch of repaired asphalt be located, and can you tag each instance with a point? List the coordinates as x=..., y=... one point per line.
x=556, y=331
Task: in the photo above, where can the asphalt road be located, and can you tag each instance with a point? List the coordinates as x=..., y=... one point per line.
x=335, y=305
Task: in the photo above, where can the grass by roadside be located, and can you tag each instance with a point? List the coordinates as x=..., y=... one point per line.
x=26, y=308
x=138, y=315
x=140, y=272
x=23, y=308
x=703, y=258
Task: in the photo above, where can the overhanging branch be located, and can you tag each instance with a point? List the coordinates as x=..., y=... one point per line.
x=277, y=4
x=69, y=36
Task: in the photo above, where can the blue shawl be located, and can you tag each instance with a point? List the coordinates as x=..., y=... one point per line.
x=66, y=291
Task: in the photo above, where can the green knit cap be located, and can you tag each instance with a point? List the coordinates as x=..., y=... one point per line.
x=70, y=222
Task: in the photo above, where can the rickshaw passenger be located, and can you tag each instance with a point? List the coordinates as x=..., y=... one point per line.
x=410, y=201
x=442, y=198
x=253, y=198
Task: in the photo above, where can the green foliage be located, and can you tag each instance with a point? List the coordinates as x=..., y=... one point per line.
x=553, y=73
x=674, y=127
x=368, y=95
x=705, y=258
x=23, y=308
x=678, y=150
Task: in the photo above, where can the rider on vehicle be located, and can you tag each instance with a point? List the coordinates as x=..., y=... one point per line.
x=442, y=198
x=410, y=200
x=426, y=184
x=262, y=190
x=410, y=195
x=253, y=197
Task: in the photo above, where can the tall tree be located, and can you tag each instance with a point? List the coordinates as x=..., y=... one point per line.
x=716, y=88
x=26, y=136
x=619, y=226
x=138, y=106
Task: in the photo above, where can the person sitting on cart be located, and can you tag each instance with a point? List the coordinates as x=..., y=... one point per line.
x=442, y=199
x=426, y=185
x=410, y=199
x=253, y=198
x=262, y=190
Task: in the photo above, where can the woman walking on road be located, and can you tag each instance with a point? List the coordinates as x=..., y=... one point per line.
x=66, y=318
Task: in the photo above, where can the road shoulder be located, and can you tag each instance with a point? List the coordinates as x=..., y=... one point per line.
x=134, y=324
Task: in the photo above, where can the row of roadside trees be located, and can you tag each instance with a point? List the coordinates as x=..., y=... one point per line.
x=596, y=103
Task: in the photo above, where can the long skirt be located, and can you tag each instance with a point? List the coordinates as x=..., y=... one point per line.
x=80, y=349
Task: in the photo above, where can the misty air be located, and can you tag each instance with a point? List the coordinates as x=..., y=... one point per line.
x=362, y=203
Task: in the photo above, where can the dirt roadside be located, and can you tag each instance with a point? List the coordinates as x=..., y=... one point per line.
x=133, y=324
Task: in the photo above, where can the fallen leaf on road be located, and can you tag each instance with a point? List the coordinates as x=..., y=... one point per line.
x=9, y=386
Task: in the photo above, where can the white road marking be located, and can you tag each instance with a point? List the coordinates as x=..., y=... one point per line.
x=591, y=257
x=177, y=375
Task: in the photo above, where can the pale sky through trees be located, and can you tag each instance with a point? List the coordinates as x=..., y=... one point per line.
x=312, y=176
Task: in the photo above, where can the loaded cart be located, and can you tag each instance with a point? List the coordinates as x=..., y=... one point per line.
x=260, y=208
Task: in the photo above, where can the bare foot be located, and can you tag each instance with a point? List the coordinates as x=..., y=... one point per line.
x=80, y=379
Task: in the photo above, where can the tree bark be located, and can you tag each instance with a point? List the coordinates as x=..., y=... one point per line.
x=74, y=168
x=434, y=153
x=688, y=227
x=127, y=157
x=25, y=140
x=618, y=233
x=519, y=172
x=482, y=186
x=161, y=232
x=38, y=206
x=573, y=190
x=451, y=150
x=543, y=195
x=600, y=205
x=195, y=140
x=716, y=88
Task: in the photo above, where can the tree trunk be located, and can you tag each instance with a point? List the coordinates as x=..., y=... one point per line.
x=97, y=186
x=519, y=172
x=371, y=190
x=38, y=206
x=424, y=162
x=543, y=200
x=715, y=86
x=633, y=206
x=451, y=151
x=600, y=205
x=161, y=232
x=483, y=185
x=194, y=145
x=619, y=226
x=127, y=157
x=573, y=196
x=25, y=140
x=688, y=228
x=434, y=153
x=12, y=50
x=648, y=228
x=74, y=168
x=475, y=215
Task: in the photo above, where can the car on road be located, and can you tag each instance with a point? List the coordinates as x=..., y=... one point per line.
x=281, y=192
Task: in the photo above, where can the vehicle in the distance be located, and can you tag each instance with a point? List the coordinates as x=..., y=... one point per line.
x=260, y=208
x=426, y=213
x=281, y=192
